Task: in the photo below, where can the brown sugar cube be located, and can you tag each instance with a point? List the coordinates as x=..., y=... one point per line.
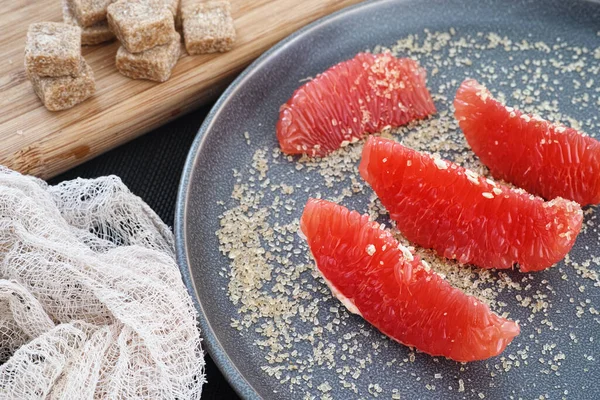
x=89, y=12
x=208, y=27
x=173, y=6
x=141, y=24
x=60, y=93
x=154, y=64
x=53, y=49
x=95, y=34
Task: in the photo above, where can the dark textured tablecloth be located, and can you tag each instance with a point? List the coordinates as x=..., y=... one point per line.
x=151, y=167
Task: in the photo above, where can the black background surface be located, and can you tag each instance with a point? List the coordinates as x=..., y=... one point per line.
x=151, y=167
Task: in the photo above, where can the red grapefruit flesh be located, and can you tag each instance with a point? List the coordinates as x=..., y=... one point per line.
x=395, y=291
x=357, y=96
x=440, y=205
x=545, y=159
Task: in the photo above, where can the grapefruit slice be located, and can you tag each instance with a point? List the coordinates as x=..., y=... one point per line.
x=545, y=159
x=377, y=278
x=440, y=205
x=357, y=96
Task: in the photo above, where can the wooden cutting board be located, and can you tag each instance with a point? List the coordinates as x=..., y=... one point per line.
x=43, y=143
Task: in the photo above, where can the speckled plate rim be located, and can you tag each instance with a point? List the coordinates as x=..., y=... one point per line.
x=211, y=341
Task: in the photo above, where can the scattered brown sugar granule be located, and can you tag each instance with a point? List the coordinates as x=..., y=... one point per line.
x=208, y=27
x=154, y=64
x=89, y=12
x=53, y=49
x=64, y=92
x=95, y=34
x=141, y=24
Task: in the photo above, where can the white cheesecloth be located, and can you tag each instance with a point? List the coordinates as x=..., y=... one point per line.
x=92, y=304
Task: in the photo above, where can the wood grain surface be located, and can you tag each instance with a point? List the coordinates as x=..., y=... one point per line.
x=43, y=143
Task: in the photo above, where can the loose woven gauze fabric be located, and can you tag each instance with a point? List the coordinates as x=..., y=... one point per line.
x=92, y=304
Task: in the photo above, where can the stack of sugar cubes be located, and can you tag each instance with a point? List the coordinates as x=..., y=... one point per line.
x=53, y=63
x=90, y=16
x=150, y=46
x=146, y=29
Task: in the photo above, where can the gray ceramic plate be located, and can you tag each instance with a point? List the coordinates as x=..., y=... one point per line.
x=251, y=104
